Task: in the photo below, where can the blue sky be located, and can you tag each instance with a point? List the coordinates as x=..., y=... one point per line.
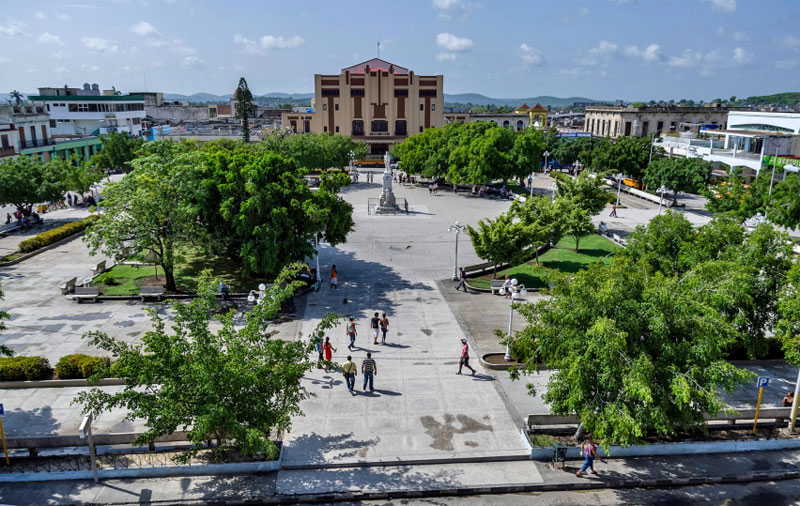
x=606, y=49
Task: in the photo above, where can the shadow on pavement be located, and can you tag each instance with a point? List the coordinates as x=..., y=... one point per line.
x=34, y=422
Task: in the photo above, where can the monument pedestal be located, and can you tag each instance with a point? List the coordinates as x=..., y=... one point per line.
x=387, y=203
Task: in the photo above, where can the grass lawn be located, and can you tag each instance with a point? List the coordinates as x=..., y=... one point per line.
x=127, y=279
x=561, y=258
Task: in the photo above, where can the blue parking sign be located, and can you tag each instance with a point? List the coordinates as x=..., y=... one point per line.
x=763, y=381
x=2, y=410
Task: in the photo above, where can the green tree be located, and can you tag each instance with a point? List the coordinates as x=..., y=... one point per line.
x=787, y=327
x=527, y=152
x=117, y=150
x=784, y=203
x=576, y=221
x=634, y=355
x=148, y=211
x=628, y=155
x=315, y=151
x=16, y=96
x=688, y=175
x=237, y=385
x=255, y=206
x=25, y=181
x=543, y=218
x=660, y=243
x=501, y=240
x=245, y=108
x=587, y=190
x=78, y=176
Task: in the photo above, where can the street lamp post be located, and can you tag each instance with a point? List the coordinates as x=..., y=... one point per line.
x=457, y=228
x=546, y=154
x=661, y=191
x=619, y=176
x=515, y=289
x=530, y=183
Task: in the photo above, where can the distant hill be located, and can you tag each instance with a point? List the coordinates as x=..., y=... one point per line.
x=788, y=98
x=478, y=99
x=210, y=97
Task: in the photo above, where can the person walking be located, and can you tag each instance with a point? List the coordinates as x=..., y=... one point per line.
x=320, y=357
x=384, y=327
x=375, y=324
x=351, y=333
x=369, y=369
x=328, y=349
x=334, y=277
x=588, y=451
x=349, y=369
x=463, y=360
x=613, y=210
x=462, y=280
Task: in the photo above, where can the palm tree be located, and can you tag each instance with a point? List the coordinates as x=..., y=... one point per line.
x=17, y=96
x=244, y=107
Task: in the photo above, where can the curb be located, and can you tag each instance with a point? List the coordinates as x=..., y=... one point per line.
x=60, y=383
x=42, y=249
x=513, y=457
x=146, y=472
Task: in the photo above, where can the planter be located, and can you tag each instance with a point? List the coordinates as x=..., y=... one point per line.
x=497, y=362
x=59, y=383
x=26, y=256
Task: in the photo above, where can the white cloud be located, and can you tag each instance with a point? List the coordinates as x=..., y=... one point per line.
x=584, y=11
x=87, y=68
x=144, y=29
x=723, y=5
x=193, y=62
x=12, y=29
x=791, y=41
x=530, y=55
x=281, y=42
x=449, y=9
x=742, y=56
x=58, y=55
x=691, y=59
x=63, y=17
x=267, y=42
x=604, y=47
x=451, y=42
x=3, y=59
x=61, y=70
x=40, y=15
x=248, y=45
x=446, y=4
x=649, y=54
x=49, y=38
x=100, y=45
x=443, y=56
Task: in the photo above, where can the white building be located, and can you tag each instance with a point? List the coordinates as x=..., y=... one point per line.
x=751, y=139
x=73, y=116
x=23, y=126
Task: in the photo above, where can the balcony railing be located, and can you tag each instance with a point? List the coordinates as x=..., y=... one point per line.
x=36, y=143
x=7, y=151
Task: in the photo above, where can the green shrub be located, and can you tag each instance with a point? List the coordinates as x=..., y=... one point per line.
x=55, y=234
x=24, y=368
x=80, y=366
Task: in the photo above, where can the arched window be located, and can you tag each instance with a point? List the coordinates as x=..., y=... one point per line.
x=505, y=124
x=519, y=125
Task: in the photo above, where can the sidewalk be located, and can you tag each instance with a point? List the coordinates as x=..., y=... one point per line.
x=629, y=477
x=10, y=243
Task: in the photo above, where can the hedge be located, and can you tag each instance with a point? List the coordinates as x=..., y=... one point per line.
x=56, y=234
x=80, y=366
x=24, y=368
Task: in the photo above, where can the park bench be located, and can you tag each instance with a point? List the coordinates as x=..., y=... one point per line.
x=100, y=268
x=153, y=292
x=86, y=293
x=68, y=286
x=496, y=285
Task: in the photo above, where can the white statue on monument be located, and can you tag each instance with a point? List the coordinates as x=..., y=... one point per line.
x=387, y=203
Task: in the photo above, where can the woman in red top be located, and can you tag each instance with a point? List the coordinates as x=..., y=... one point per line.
x=328, y=350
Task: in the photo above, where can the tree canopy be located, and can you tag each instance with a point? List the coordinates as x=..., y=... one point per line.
x=25, y=181
x=238, y=385
x=678, y=174
x=500, y=240
x=117, y=151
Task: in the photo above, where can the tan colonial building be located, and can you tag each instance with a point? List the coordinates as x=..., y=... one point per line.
x=375, y=101
x=615, y=121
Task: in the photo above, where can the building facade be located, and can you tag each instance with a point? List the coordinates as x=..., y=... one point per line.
x=375, y=101
x=23, y=126
x=630, y=121
x=86, y=112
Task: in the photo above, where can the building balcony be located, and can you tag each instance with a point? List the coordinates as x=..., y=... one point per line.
x=7, y=151
x=35, y=143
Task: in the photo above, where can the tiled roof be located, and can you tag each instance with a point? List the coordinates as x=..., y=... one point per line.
x=523, y=107
x=538, y=107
